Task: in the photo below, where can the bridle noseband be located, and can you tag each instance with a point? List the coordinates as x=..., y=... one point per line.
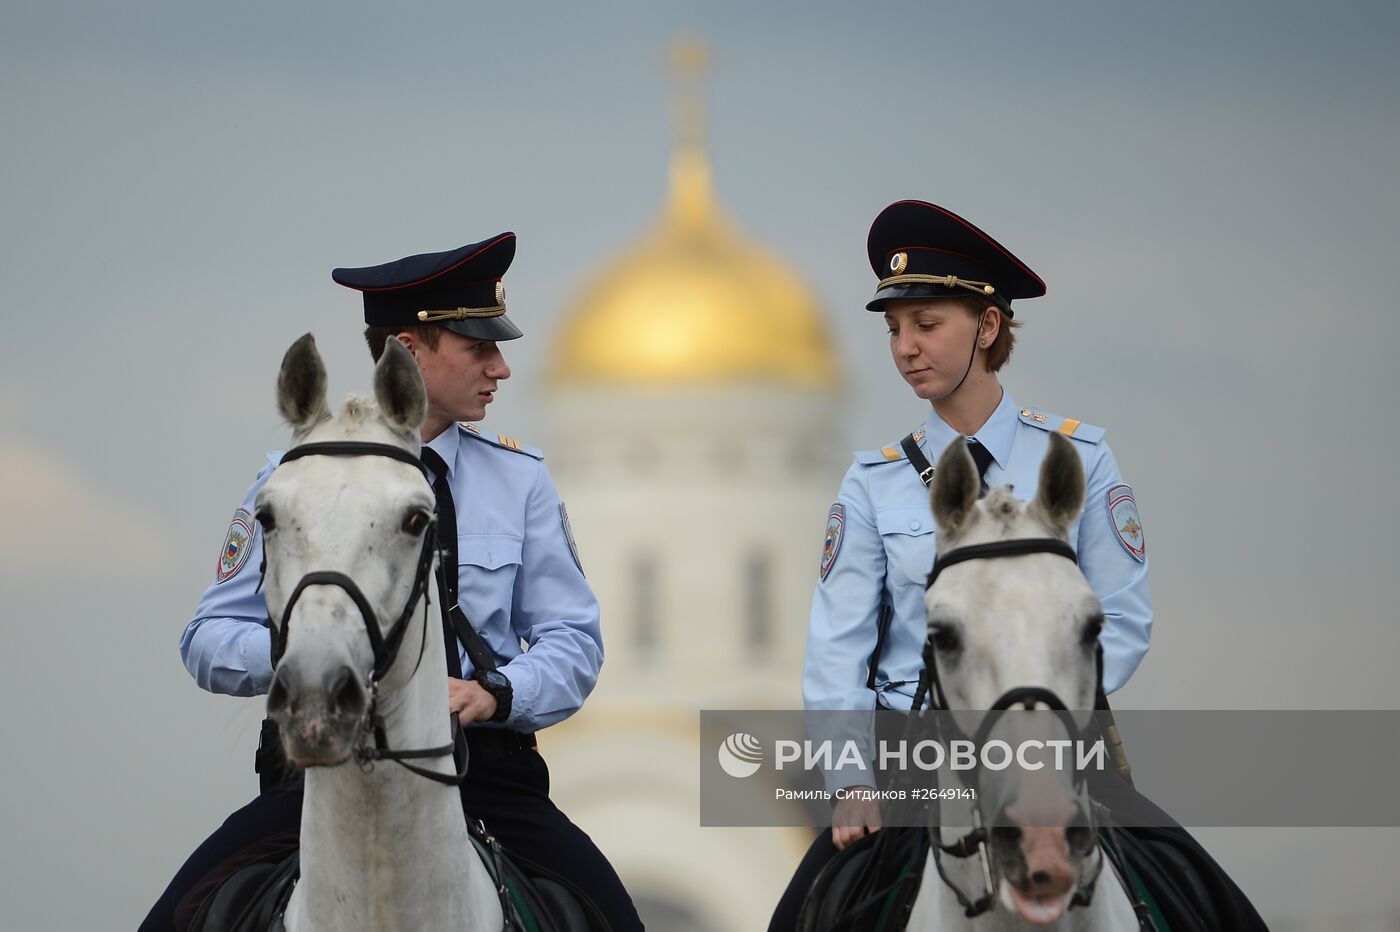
x=385, y=647
x=931, y=687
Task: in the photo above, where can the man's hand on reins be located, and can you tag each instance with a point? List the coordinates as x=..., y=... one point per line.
x=855, y=817
x=469, y=701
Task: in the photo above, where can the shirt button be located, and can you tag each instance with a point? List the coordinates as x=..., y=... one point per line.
x=913, y=525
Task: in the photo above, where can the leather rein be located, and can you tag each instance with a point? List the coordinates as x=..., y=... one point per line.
x=385, y=647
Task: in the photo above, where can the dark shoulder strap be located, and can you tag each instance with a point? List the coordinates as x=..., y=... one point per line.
x=480, y=654
x=882, y=632
x=917, y=459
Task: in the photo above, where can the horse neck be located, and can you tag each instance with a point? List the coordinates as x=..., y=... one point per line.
x=385, y=848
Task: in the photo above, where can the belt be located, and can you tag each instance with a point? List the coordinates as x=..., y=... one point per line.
x=497, y=743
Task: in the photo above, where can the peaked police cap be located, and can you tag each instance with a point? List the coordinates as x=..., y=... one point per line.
x=921, y=250
x=459, y=289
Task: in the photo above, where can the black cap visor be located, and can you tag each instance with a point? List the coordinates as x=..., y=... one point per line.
x=926, y=290
x=497, y=329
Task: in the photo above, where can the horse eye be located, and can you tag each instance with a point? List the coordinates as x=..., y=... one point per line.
x=1090, y=635
x=416, y=522
x=945, y=639
x=264, y=517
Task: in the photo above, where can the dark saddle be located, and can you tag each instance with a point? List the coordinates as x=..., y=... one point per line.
x=534, y=899
x=871, y=885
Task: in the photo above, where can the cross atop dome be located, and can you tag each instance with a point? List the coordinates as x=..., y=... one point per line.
x=691, y=195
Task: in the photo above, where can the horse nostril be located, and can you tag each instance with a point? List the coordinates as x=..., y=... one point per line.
x=1040, y=878
x=279, y=695
x=346, y=695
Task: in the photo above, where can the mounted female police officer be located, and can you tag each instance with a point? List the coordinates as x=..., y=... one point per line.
x=517, y=579
x=945, y=295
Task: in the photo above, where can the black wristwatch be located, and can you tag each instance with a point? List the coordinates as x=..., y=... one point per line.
x=497, y=684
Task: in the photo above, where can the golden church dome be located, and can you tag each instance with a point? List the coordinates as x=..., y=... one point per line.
x=695, y=302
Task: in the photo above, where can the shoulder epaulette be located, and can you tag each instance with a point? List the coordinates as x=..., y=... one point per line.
x=1068, y=426
x=502, y=441
x=883, y=455
x=890, y=454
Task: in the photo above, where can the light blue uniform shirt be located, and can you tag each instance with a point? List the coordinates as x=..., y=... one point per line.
x=518, y=581
x=888, y=545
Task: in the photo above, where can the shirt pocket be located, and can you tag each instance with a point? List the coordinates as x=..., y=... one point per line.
x=908, y=538
x=488, y=551
x=486, y=569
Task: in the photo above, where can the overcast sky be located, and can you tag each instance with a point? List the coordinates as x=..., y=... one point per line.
x=1209, y=190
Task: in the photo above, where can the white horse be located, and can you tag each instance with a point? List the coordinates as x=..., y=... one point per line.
x=999, y=623
x=381, y=847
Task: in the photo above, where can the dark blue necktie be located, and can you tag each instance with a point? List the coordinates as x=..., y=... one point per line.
x=447, y=545
x=982, y=457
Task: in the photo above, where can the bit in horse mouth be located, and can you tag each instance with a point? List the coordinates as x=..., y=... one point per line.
x=330, y=757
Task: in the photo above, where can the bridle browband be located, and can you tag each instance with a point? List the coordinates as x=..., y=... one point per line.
x=931, y=687
x=385, y=647
x=1000, y=548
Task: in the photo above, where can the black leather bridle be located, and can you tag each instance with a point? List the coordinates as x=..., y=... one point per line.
x=385, y=647
x=1027, y=697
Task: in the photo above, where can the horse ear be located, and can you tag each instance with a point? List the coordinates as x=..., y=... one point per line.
x=398, y=387
x=301, y=386
x=1060, y=496
x=955, y=488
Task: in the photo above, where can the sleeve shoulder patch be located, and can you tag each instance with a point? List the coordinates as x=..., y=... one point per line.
x=1127, y=525
x=1070, y=427
x=835, y=531
x=238, y=543
x=569, y=536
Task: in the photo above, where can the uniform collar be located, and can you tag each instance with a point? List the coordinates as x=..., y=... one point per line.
x=998, y=434
x=445, y=445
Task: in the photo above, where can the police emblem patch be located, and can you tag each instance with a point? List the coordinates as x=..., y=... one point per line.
x=569, y=536
x=835, y=530
x=238, y=543
x=1123, y=515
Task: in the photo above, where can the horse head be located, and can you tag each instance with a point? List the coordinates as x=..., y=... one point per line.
x=1019, y=629
x=346, y=542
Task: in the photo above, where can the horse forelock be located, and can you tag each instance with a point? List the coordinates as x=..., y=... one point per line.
x=1003, y=508
x=359, y=418
x=358, y=409
x=998, y=516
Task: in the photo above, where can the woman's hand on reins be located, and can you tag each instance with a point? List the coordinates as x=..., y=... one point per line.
x=856, y=816
x=469, y=701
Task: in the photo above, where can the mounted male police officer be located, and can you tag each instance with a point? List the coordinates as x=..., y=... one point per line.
x=518, y=580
